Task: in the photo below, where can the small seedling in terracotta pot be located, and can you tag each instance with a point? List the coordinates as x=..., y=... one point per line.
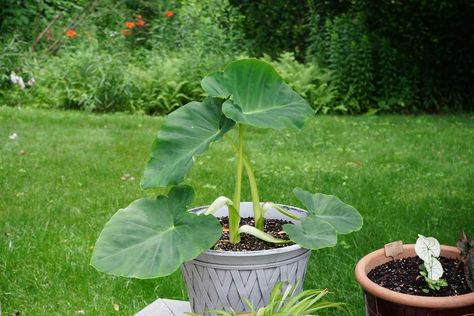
x=428, y=249
x=423, y=279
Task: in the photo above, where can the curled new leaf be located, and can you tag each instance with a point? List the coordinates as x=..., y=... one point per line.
x=153, y=237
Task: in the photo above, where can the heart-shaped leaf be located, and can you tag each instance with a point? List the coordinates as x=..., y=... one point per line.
x=187, y=132
x=328, y=208
x=257, y=95
x=434, y=269
x=427, y=247
x=313, y=233
x=153, y=237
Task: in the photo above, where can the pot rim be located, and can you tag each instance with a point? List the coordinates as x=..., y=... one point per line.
x=371, y=287
x=267, y=252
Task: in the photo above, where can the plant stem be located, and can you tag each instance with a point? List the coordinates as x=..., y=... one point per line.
x=234, y=217
x=257, y=209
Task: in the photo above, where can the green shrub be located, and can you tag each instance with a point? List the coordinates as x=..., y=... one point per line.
x=396, y=56
x=347, y=51
x=202, y=26
x=274, y=27
x=309, y=80
x=85, y=78
x=98, y=80
x=151, y=68
x=165, y=82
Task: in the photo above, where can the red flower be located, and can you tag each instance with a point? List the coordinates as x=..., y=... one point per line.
x=125, y=32
x=71, y=33
x=140, y=22
x=129, y=25
x=169, y=13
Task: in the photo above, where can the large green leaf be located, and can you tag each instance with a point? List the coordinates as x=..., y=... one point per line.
x=256, y=95
x=328, y=208
x=186, y=133
x=152, y=237
x=312, y=233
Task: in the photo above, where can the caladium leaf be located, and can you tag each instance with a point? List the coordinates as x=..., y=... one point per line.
x=328, y=208
x=434, y=268
x=186, y=133
x=313, y=233
x=153, y=237
x=427, y=247
x=256, y=95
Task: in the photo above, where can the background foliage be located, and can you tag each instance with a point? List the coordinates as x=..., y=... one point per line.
x=347, y=56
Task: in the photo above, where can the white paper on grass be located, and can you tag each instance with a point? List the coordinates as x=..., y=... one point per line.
x=434, y=269
x=427, y=247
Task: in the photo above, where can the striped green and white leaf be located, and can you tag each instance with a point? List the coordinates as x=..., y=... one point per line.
x=256, y=95
x=152, y=237
x=186, y=133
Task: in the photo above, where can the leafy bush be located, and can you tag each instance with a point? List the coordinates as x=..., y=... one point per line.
x=309, y=80
x=152, y=67
x=86, y=79
x=396, y=56
x=275, y=27
x=98, y=80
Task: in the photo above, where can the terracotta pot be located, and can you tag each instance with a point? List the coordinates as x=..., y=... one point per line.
x=380, y=301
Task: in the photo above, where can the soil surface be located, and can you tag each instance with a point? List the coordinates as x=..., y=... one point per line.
x=248, y=242
x=403, y=276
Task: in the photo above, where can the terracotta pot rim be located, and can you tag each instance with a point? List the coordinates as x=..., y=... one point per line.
x=446, y=302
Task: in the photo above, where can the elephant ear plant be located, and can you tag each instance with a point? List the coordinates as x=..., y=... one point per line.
x=152, y=237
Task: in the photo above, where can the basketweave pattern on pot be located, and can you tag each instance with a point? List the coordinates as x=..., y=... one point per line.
x=212, y=286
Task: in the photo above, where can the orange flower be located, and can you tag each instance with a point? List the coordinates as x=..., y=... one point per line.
x=71, y=33
x=169, y=13
x=140, y=22
x=125, y=32
x=129, y=25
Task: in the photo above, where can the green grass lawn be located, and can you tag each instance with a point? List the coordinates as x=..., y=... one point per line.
x=61, y=180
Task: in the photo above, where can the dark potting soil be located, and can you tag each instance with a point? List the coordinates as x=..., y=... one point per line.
x=403, y=276
x=248, y=242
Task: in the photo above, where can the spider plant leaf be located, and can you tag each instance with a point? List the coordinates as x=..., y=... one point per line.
x=256, y=95
x=186, y=133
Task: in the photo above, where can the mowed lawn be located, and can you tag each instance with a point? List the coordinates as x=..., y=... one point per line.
x=66, y=173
